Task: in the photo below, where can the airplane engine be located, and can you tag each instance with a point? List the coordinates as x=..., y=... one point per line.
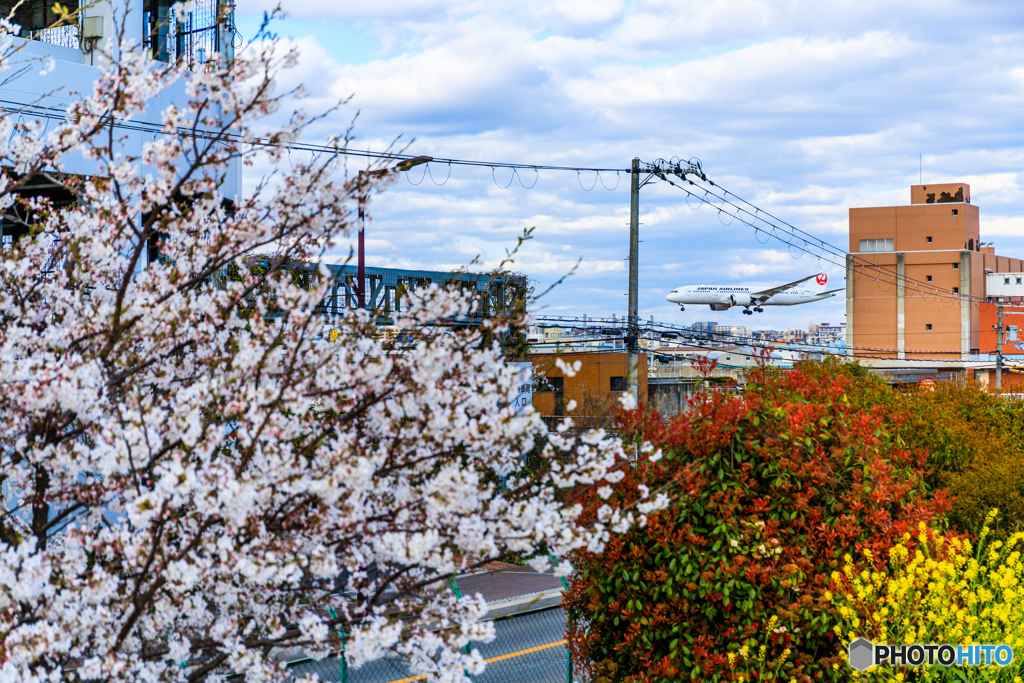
x=739, y=299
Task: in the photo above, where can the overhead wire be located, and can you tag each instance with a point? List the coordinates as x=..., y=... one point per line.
x=774, y=225
x=143, y=126
x=828, y=252
x=705, y=344
x=809, y=348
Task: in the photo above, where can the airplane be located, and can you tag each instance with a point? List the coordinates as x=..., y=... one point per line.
x=724, y=297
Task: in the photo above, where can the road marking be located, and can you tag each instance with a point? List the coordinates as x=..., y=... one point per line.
x=494, y=659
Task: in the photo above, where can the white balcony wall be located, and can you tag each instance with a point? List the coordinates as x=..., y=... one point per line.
x=32, y=96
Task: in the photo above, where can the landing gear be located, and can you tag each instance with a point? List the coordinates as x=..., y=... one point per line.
x=747, y=311
x=682, y=307
x=759, y=309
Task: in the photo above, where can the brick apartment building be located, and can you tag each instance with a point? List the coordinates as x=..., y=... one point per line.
x=897, y=254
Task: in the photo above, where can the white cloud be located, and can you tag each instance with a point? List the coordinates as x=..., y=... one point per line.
x=804, y=108
x=1003, y=226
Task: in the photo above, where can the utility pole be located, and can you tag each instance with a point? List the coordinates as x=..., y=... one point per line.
x=632, y=321
x=999, y=350
x=660, y=169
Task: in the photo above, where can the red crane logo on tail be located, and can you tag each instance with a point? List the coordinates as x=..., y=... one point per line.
x=821, y=279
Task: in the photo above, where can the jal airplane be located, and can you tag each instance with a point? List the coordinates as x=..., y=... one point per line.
x=724, y=297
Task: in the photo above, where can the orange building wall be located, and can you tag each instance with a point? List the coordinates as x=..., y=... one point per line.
x=874, y=306
x=922, y=310
x=989, y=318
x=595, y=375
x=544, y=402
x=1012, y=382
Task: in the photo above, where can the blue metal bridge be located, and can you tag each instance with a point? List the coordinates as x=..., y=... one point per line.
x=386, y=290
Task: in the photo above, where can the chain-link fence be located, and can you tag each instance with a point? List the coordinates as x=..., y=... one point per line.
x=529, y=647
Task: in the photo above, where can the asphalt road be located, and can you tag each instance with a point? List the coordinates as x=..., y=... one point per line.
x=515, y=637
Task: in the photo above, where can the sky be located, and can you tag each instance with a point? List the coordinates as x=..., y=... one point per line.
x=804, y=109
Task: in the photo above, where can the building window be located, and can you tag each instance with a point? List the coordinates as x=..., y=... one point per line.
x=618, y=383
x=171, y=33
x=929, y=239
x=867, y=246
x=1018, y=281
x=956, y=266
x=956, y=212
x=928, y=327
x=39, y=22
x=1006, y=280
x=956, y=290
x=928, y=278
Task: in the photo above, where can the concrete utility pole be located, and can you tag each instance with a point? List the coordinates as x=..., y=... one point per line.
x=660, y=169
x=633, y=321
x=999, y=350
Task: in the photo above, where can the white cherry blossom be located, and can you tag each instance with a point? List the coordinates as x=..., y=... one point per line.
x=190, y=469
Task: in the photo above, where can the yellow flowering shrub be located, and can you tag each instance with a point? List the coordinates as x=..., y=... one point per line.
x=763, y=668
x=941, y=589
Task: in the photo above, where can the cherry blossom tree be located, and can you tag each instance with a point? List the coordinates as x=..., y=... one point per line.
x=190, y=469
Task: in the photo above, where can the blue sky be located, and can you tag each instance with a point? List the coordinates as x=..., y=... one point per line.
x=803, y=108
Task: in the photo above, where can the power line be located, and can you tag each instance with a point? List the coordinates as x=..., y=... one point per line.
x=703, y=344
x=659, y=168
x=810, y=348
x=827, y=251
x=55, y=113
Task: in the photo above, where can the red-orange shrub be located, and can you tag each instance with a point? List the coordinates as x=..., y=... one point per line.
x=769, y=490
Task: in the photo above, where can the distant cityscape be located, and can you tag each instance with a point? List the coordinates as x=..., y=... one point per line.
x=673, y=353
x=818, y=334
x=607, y=335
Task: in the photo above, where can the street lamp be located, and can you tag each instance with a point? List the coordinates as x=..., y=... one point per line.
x=361, y=183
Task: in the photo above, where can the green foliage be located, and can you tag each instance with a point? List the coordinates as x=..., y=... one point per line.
x=974, y=441
x=768, y=491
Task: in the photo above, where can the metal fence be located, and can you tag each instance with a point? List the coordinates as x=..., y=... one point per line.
x=528, y=647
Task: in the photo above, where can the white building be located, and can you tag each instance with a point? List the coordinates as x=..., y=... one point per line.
x=732, y=331
x=573, y=339
x=825, y=334
x=76, y=52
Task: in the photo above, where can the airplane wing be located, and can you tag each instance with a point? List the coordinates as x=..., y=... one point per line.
x=766, y=294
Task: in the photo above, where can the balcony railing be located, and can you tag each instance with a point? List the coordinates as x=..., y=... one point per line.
x=193, y=36
x=65, y=36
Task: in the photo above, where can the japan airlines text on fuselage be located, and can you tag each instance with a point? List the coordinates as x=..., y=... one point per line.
x=723, y=297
